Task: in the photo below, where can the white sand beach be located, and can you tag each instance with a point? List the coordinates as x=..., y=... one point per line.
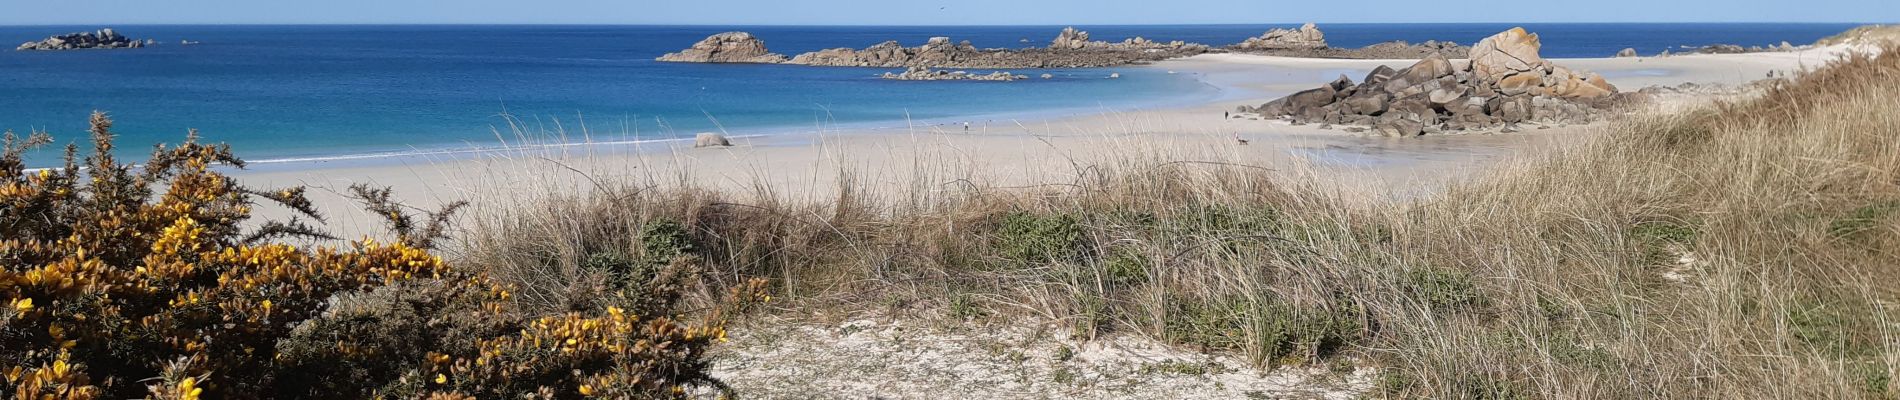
x=1010, y=153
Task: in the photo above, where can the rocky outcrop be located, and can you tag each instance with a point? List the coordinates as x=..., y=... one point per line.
x=1310, y=42
x=102, y=39
x=1393, y=50
x=1505, y=82
x=1506, y=53
x=1307, y=37
x=1070, y=49
x=1070, y=39
x=927, y=74
x=1626, y=53
x=729, y=47
x=1784, y=46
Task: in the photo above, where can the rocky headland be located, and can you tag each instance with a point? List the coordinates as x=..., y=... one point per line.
x=1865, y=35
x=1504, y=83
x=102, y=39
x=927, y=74
x=729, y=47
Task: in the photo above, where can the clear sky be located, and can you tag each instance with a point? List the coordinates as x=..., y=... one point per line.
x=938, y=12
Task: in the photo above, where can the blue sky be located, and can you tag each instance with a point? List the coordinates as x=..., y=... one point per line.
x=941, y=12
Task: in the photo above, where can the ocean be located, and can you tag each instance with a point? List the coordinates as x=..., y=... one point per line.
x=300, y=92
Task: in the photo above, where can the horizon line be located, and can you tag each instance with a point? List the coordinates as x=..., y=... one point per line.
x=916, y=25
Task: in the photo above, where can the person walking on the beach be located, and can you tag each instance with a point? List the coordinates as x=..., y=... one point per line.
x=1226, y=115
x=966, y=126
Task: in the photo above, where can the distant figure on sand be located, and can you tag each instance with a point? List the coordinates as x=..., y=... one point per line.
x=966, y=126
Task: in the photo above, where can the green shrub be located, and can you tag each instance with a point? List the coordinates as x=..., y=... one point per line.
x=126, y=282
x=1034, y=239
x=1444, y=289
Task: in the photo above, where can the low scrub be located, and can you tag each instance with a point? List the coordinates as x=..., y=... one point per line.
x=145, y=282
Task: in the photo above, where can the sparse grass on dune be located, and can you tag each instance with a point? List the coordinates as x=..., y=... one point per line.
x=1744, y=250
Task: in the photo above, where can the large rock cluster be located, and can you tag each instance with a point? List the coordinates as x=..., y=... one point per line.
x=1070, y=49
x=938, y=52
x=927, y=74
x=729, y=47
x=1310, y=42
x=1307, y=37
x=1077, y=40
x=1505, y=82
x=103, y=39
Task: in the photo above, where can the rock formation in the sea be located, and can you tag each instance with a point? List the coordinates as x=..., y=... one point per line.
x=729, y=47
x=102, y=39
x=1070, y=49
x=1626, y=53
x=1504, y=82
x=927, y=74
x=1310, y=42
x=1784, y=46
x=709, y=139
x=1307, y=37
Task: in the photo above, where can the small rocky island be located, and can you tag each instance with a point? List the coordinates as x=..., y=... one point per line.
x=1070, y=49
x=927, y=74
x=1506, y=82
x=102, y=39
x=1310, y=42
x=729, y=47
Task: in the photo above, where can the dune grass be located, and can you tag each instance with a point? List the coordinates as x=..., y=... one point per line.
x=1742, y=250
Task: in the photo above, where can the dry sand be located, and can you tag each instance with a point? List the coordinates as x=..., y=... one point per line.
x=1011, y=153
x=898, y=358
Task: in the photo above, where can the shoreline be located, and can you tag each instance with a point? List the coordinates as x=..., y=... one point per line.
x=1016, y=153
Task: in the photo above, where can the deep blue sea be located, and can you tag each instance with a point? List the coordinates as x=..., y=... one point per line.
x=283, y=92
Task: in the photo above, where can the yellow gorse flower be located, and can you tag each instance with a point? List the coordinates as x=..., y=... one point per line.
x=188, y=389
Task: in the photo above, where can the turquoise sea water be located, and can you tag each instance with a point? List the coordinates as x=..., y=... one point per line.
x=285, y=92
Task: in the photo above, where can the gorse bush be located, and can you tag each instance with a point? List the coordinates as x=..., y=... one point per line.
x=123, y=282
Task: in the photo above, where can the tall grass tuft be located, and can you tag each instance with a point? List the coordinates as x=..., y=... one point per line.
x=1743, y=250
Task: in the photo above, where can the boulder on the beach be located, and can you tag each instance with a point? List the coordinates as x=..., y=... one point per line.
x=729, y=47
x=1626, y=53
x=1509, y=52
x=1426, y=70
x=709, y=139
x=1506, y=82
x=1307, y=37
x=1380, y=74
x=101, y=39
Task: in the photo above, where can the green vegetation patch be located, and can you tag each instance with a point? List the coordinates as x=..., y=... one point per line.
x=1863, y=219
x=1033, y=239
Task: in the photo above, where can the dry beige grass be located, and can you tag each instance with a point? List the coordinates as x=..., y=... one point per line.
x=1744, y=250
